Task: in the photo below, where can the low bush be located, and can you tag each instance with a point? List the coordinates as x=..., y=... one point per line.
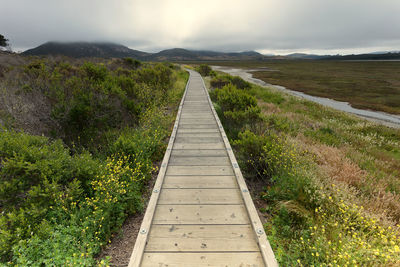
x=236, y=108
x=204, y=69
x=265, y=156
x=134, y=63
x=220, y=81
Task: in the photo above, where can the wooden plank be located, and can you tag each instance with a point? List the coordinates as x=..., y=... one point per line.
x=193, y=181
x=200, y=214
x=193, y=130
x=196, y=121
x=195, y=109
x=192, y=135
x=196, y=106
x=232, y=259
x=198, y=126
x=198, y=117
x=199, y=146
x=198, y=140
x=200, y=196
x=199, y=170
x=199, y=153
x=194, y=99
x=202, y=102
x=211, y=238
x=199, y=161
x=207, y=112
x=188, y=115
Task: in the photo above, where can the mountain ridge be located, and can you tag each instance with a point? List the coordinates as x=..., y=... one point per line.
x=109, y=50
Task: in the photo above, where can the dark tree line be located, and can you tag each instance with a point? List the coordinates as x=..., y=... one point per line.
x=3, y=41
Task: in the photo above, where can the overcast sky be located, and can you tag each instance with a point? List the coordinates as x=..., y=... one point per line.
x=267, y=26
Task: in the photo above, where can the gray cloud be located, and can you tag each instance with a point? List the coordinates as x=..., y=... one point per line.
x=265, y=25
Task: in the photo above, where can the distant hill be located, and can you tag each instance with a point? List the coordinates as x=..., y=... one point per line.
x=180, y=54
x=371, y=56
x=108, y=50
x=304, y=56
x=84, y=49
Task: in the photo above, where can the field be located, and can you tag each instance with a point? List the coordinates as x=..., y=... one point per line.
x=326, y=182
x=371, y=85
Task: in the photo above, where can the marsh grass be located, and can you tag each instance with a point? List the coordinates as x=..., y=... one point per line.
x=371, y=85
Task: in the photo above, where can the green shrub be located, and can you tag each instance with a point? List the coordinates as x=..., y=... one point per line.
x=279, y=123
x=236, y=108
x=159, y=77
x=204, y=69
x=36, y=69
x=95, y=72
x=133, y=63
x=240, y=83
x=33, y=172
x=220, y=81
x=265, y=156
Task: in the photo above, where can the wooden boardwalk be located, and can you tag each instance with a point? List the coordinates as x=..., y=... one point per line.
x=200, y=212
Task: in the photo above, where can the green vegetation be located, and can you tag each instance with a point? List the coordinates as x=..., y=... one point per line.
x=222, y=80
x=329, y=181
x=204, y=70
x=62, y=196
x=364, y=84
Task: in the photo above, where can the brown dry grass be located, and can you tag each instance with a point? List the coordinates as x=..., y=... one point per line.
x=335, y=168
x=268, y=108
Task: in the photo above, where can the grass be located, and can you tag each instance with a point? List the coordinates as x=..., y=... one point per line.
x=330, y=180
x=371, y=85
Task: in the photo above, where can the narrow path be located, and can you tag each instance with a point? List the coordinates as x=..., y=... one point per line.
x=200, y=212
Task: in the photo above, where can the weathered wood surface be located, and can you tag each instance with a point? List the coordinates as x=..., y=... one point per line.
x=231, y=259
x=200, y=212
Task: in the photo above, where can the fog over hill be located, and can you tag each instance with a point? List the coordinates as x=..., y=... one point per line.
x=109, y=50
